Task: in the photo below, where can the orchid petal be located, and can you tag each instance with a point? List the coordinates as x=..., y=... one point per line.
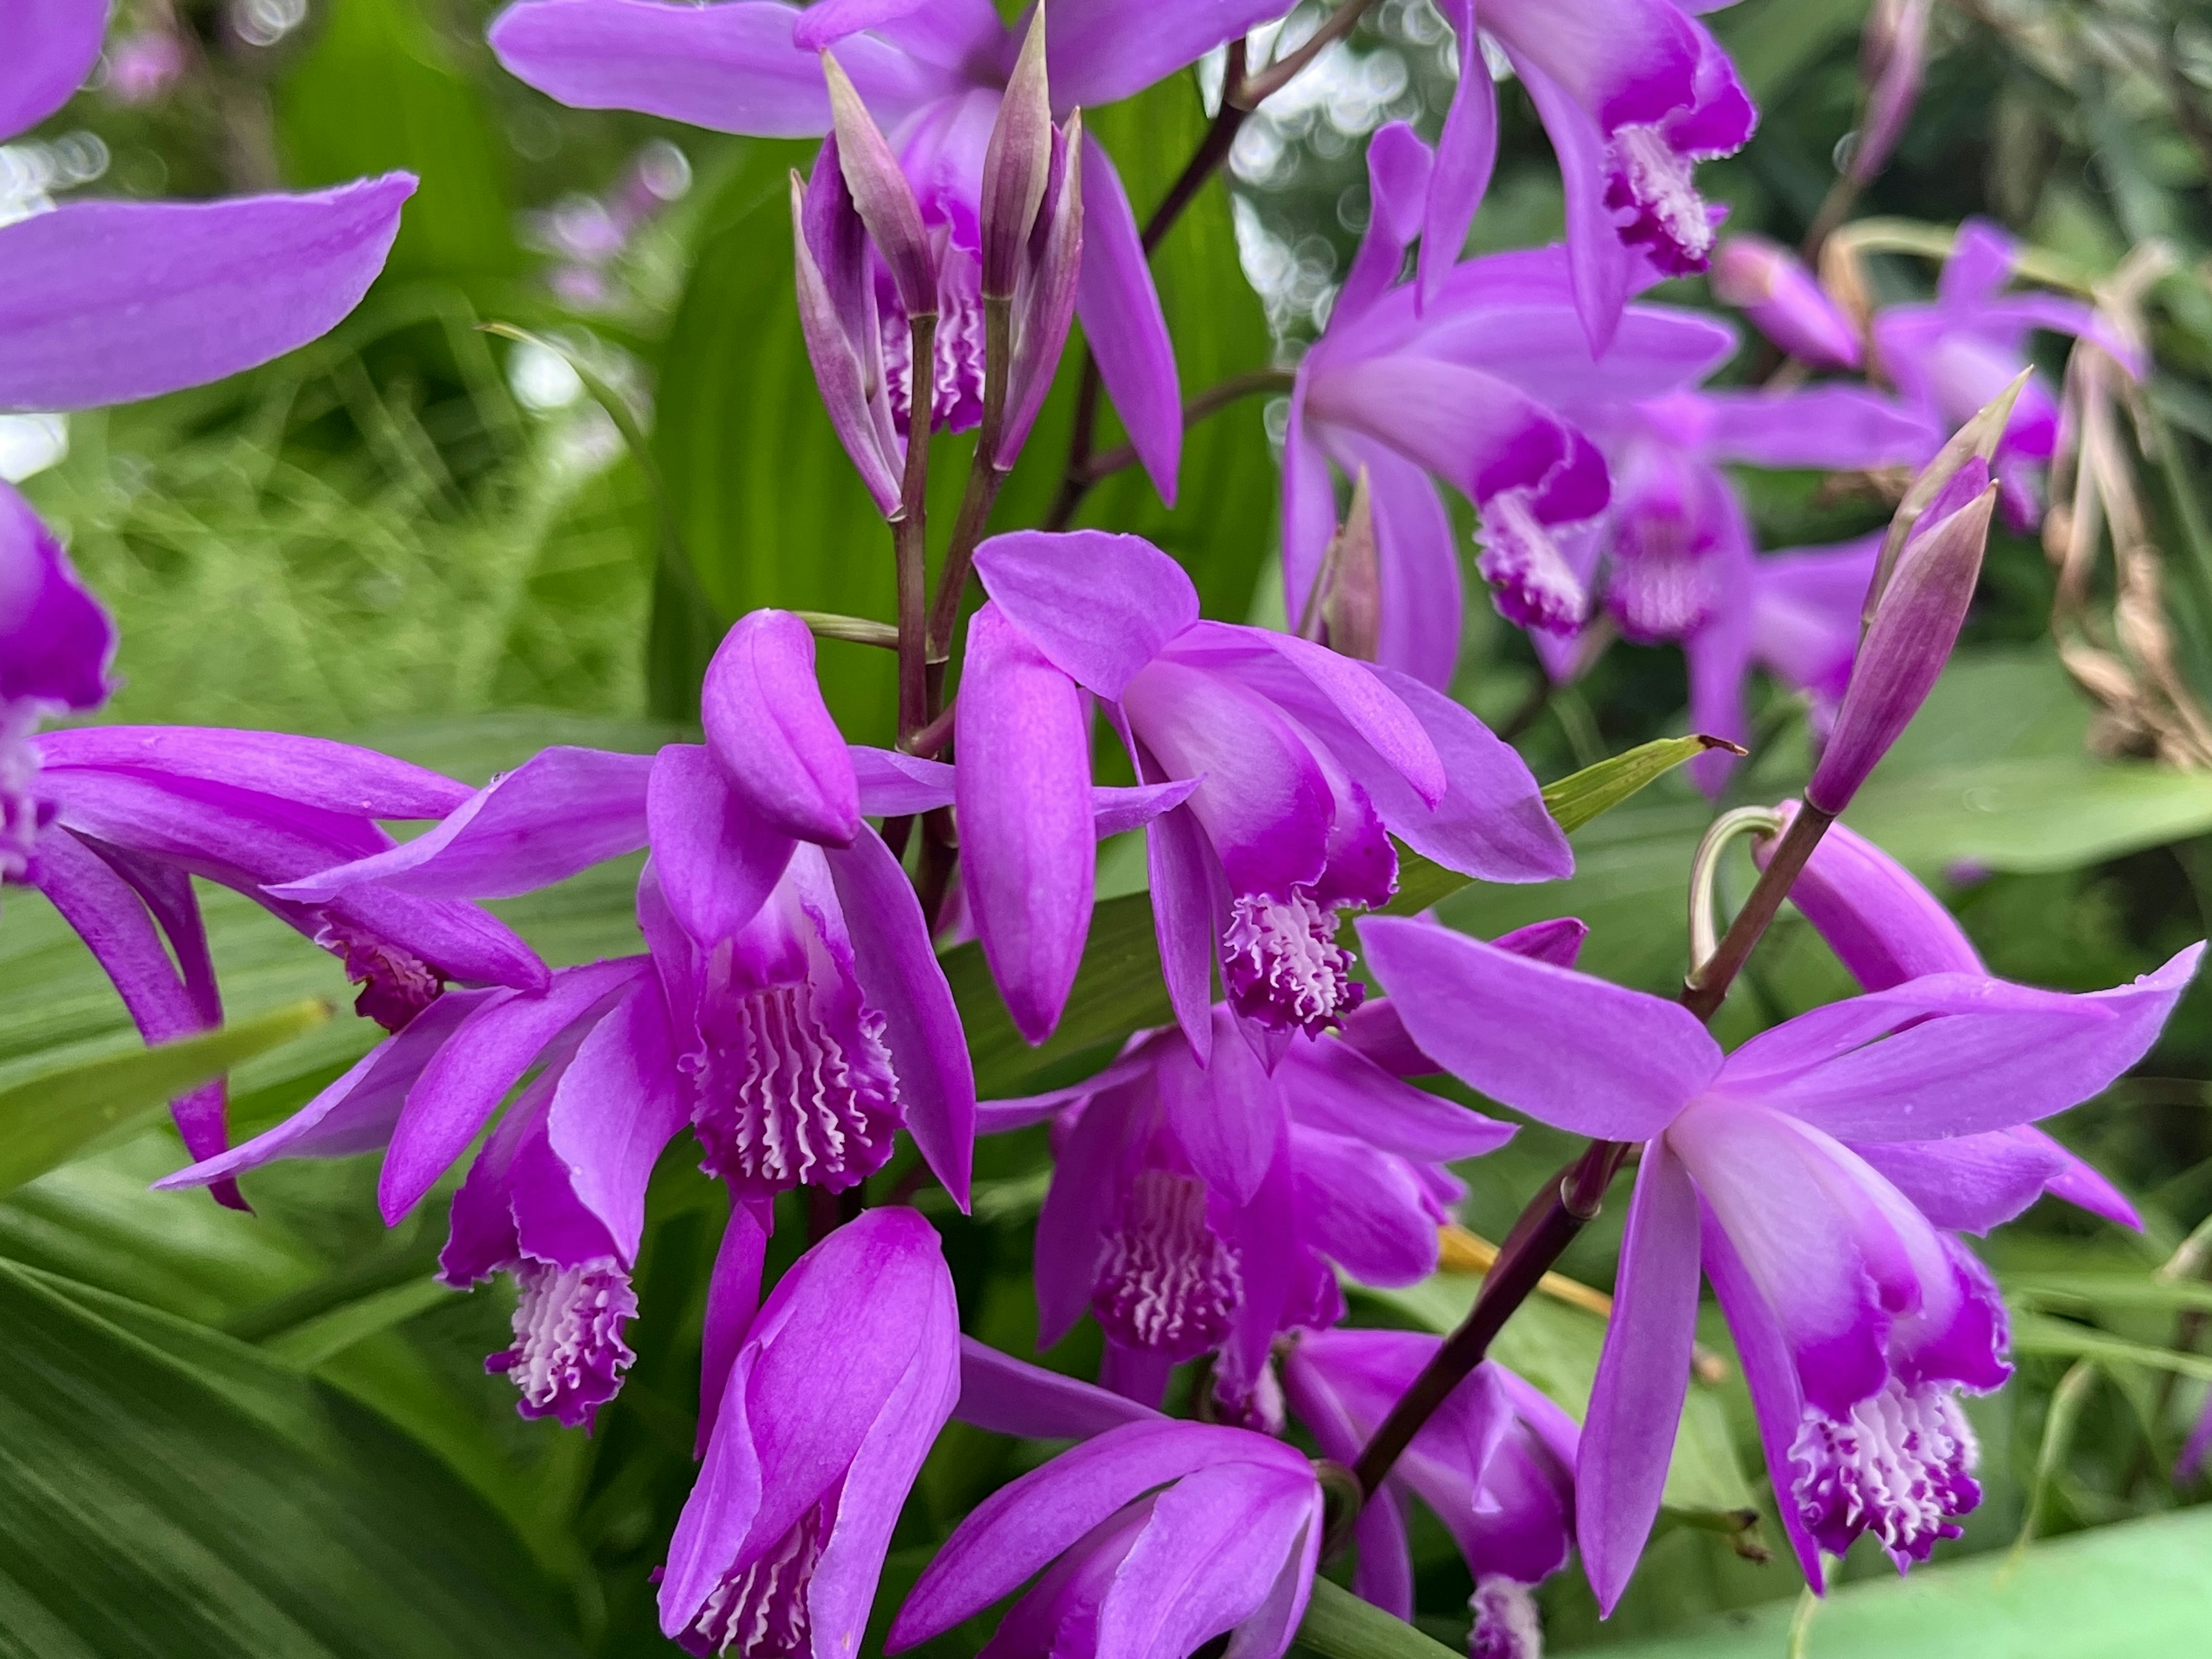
x=1399, y=168
x=1601, y=267
x=1078, y=1208
x=1098, y=606
x=1115, y=811
x=717, y=861
x=901, y=979
x=1227, y=1115
x=316, y=772
x=733, y=1300
x=895, y=785
x=50, y=46
x=1331, y=1084
x=1467, y=154
x=107, y=303
x=1183, y=875
x=1103, y=51
x=1973, y=1182
x=1574, y=1052
x=1010, y=1397
x=1643, y=1377
x=619, y=1102
x=720, y=1512
x=1122, y=319
x=1213, y=1550
x=1839, y=427
x=769, y=729
x=1363, y=1209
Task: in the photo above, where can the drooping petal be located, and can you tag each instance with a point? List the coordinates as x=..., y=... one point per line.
x=1027, y=853
x=769, y=729
x=1642, y=1375
x=1122, y=319
x=1214, y=1549
x=1572, y=1051
x=1184, y=874
x=716, y=861
x=462, y=1083
x=902, y=981
x=1334, y=1085
x=49, y=47
x=1104, y=50
x=316, y=772
x=1399, y=168
x=1467, y=153
x=560, y=812
x=1970, y=1183
x=733, y=1300
x=1099, y=605
x=730, y=68
x=1114, y=810
x=1363, y=1208
x=895, y=785
x=1078, y=1208
x=107, y=302
x=1227, y=1114
x=619, y=1102
x=1010, y=1397
x=1840, y=427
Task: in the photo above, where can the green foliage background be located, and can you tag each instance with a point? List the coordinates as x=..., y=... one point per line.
x=272, y=1435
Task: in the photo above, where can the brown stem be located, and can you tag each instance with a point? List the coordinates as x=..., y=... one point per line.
x=1211, y=401
x=1561, y=1211
x=1251, y=90
x=934, y=736
x=1835, y=207
x=910, y=538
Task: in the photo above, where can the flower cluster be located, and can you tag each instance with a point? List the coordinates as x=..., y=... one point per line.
x=1217, y=1182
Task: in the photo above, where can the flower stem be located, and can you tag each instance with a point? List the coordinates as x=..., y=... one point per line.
x=910, y=535
x=984, y=477
x=1562, y=1209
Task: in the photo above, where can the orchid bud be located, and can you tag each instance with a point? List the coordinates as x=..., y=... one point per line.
x=1016, y=165
x=1915, y=623
x=1978, y=439
x=773, y=737
x=837, y=321
x=1351, y=582
x=1892, y=57
x=1044, y=293
x=1769, y=284
x=881, y=194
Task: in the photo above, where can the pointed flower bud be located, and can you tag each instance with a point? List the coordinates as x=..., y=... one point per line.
x=769, y=730
x=1044, y=292
x=881, y=194
x=1915, y=623
x=1978, y=439
x=1350, y=586
x=1893, y=57
x=837, y=321
x=1016, y=165
x=1768, y=284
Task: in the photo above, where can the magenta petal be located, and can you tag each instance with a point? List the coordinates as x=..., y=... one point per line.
x=717, y=1514
x=1643, y=1377
x=619, y=1102
x=1467, y=152
x=1114, y=811
x=1078, y=1206
x=1027, y=852
x=49, y=47
x=1881, y=923
x=1010, y=1397
x=110, y=301
x=60, y=640
x=1825, y=426
x=1308, y=501
x=1422, y=601
x=332, y=777
x=1601, y=267
x=1228, y=1115
x=894, y=785
x=1099, y=606
x=1183, y=876
x=464, y=1082
x=2084, y=1187
x=1331, y=1084
x=1571, y=1051
x=733, y=1300
x=1122, y=319
x=728, y=68
x=1399, y=168
x=560, y=812
x=1103, y=51
x=768, y=728
x=1970, y=1184
x=1363, y=698
x=1212, y=1552
x=717, y=861
x=1363, y=1209
x=901, y=979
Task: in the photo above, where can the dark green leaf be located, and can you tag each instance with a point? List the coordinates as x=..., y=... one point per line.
x=1338, y=1625
x=172, y=1493
x=47, y=1119
x=2035, y=1334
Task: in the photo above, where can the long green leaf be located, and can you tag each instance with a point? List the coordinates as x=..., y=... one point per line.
x=1118, y=987
x=1338, y=1625
x=173, y=1492
x=2119, y=1592
x=47, y=1119
x=2033, y=1334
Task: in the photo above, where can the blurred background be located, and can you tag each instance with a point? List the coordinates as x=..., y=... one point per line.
x=461, y=545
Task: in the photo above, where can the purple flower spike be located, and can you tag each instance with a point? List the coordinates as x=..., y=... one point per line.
x=826, y=1409
x=1152, y=1538
x=1496, y=1463
x=1916, y=622
x=1305, y=764
x=1858, y=1321
x=1197, y=1211
x=1770, y=284
x=773, y=736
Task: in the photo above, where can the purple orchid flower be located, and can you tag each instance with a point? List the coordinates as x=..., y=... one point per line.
x=56, y=645
x=1496, y=1463
x=1858, y=1321
x=1785, y=302
x=107, y=302
x=1305, y=764
x=1454, y=389
x=1153, y=1537
x=933, y=76
x=556, y=1197
x=1633, y=93
x=809, y=1017
x=1951, y=357
x=817, y=1413
x=1199, y=1210
x=1885, y=928
x=132, y=813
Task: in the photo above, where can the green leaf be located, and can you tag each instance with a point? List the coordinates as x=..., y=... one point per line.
x=2115, y=1592
x=1575, y=799
x=2036, y=1333
x=379, y=90
x=2112, y=1291
x=1338, y=1625
x=171, y=1492
x=47, y=1119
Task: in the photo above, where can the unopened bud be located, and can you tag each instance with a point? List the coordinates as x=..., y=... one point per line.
x=1351, y=585
x=1770, y=285
x=881, y=194
x=1884, y=926
x=1016, y=165
x=828, y=248
x=1893, y=57
x=1044, y=296
x=1978, y=439
x=1915, y=623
